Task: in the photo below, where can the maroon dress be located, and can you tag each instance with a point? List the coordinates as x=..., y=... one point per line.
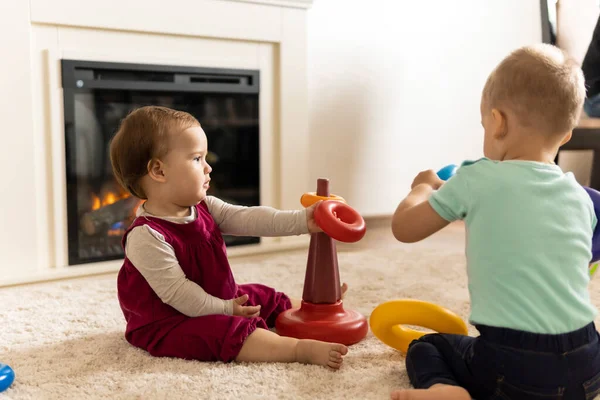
x=165, y=332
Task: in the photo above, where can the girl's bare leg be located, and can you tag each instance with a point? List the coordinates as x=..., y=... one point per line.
x=265, y=346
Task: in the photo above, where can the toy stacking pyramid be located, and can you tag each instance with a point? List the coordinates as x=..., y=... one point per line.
x=322, y=315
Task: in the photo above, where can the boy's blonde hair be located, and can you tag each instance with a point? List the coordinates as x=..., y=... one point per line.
x=142, y=137
x=541, y=85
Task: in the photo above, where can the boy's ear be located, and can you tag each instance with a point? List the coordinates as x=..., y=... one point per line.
x=500, y=127
x=156, y=171
x=566, y=138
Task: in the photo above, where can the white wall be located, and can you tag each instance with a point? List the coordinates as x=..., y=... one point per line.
x=18, y=151
x=394, y=87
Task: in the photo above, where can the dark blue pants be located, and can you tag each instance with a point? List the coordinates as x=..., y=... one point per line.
x=510, y=365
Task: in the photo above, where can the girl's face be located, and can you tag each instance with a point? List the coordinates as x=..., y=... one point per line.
x=187, y=174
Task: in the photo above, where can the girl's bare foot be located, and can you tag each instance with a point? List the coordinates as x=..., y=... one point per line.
x=344, y=289
x=320, y=353
x=435, y=392
x=262, y=345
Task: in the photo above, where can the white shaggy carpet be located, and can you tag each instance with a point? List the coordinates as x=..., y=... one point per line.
x=65, y=339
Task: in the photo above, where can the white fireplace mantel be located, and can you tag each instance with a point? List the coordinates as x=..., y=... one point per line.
x=268, y=35
x=283, y=3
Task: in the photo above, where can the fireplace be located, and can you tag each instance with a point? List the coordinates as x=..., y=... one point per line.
x=98, y=95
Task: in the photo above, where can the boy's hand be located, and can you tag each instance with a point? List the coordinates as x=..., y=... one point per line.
x=428, y=177
x=244, y=311
x=310, y=219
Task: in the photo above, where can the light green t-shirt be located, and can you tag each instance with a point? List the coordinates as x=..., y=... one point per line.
x=529, y=232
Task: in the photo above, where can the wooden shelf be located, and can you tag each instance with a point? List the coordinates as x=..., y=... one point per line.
x=588, y=123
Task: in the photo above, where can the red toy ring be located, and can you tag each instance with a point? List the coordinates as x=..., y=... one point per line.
x=340, y=221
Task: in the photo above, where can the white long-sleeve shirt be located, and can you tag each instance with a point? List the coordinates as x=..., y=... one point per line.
x=155, y=259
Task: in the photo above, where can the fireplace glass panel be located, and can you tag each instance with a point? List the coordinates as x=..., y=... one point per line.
x=99, y=95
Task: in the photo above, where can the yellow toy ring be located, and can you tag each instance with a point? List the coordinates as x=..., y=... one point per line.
x=310, y=198
x=387, y=319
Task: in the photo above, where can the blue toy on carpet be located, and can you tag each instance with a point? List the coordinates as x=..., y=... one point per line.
x=7, y=376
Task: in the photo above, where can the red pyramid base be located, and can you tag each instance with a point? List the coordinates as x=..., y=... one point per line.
x=326, y=322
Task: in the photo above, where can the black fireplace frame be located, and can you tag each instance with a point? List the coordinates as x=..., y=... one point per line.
x=79, y=76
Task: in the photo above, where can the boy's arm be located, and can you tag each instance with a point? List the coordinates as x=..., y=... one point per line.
x=415, y=219
x=256, y=221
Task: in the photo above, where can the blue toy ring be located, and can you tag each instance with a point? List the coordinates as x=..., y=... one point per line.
x=447, y=172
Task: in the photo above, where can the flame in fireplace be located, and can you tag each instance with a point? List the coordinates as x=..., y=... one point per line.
x=96, y=203
x=110, y=199
x=107, y=199
x=111, y=206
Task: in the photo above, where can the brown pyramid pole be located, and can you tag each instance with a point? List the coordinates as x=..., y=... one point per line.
x=322, y=279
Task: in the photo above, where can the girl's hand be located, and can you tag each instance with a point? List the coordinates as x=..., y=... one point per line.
x=310, y=219
x=428, y=177
x=240, y=310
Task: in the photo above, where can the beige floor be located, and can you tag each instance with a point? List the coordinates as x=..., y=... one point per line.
x=64, y=339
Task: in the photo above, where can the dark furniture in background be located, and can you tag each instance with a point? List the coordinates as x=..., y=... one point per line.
x=587, y=137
